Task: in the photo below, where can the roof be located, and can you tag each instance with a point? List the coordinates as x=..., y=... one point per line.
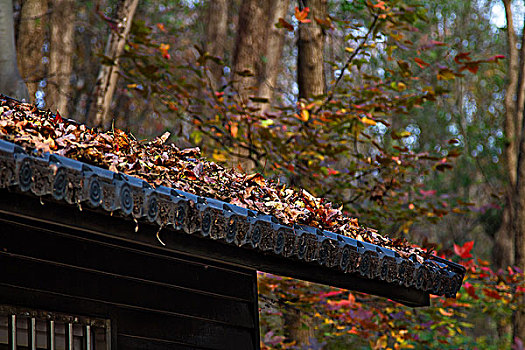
x=158, y=184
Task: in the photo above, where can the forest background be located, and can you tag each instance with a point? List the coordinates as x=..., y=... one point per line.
x=407, y=113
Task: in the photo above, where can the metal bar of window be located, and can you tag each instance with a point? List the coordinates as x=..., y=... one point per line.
x=32, y=332
x=108, y=335
x=12, y=332
x=90, y=331
x=51, y=335
x=88, y=337
x=69, y=336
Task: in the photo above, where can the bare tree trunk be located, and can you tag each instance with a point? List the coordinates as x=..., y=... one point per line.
x=296, y=329
x=108, y=74
x=216, y=34
x=248, y=63
x=250, y=48
x=310, y=56
x=503, y=252
x=274, y=50
x=61, y=49
x=11, y=82
x=30, y=43
x=519, y=234
x=510, y=239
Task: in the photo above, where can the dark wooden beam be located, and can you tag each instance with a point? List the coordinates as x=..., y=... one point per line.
x=97, y=224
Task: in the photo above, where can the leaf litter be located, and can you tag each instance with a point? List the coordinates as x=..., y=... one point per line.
x=163, y=164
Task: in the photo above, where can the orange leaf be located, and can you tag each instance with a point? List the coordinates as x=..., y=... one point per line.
x=234, y=129
x=421, y=63
x=368, y=121
x=161, y=27
x=445, y=313
x=302, y=14
x=380, y=5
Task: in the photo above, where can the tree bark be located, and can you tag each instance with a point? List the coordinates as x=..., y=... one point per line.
x=511, y=235
x=310, y=56
x=274, y=50
x=216, y=34
x=11, y=82
x=503, y=251
x=61, y=49
x=30, y=43
x=108, y=74
x=296, y=329
x=250, y=48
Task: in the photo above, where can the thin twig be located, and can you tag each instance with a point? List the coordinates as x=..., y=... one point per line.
x=347, y=63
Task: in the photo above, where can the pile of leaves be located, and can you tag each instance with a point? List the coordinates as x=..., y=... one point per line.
x=163, y=164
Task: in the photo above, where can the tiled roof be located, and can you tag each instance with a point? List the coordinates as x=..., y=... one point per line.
x=79, y=184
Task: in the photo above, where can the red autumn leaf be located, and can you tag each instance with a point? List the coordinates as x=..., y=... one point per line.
x=491, y=293
x=431, y=44
x=462, y=56
x=427, y=193
x=496, y=58
x=469, y=288
x=302, y=14
x=190, y=175
x=472, y=67
x=330, y=294
x=464, y=250
x=332, y=171
x=58, y=118
x=421, y=63
x=284, y=24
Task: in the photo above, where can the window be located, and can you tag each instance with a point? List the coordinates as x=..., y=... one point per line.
x=31, y=329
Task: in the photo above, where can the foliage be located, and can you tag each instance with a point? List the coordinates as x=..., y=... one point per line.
x=358, y=145
x=335, y=145
x=408, y=136
x=346, y=319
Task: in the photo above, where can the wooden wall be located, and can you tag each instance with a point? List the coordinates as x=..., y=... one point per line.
x=153, y=298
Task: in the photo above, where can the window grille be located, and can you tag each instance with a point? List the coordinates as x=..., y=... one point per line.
x=34, y=329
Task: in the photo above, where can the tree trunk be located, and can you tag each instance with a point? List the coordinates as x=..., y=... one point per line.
x=503, y=251
x=512, y=233
x=519, y=235
x=310, y=56
x=519, y=239
x=11, y=82
x=30, y=43
x=250, y=48
x=248, y=64
x=108, y=74
x=216, y=34
x=296, y=329
x=274, y=50
x=61, y=51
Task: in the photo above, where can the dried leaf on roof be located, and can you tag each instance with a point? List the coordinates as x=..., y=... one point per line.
x=162, y=163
